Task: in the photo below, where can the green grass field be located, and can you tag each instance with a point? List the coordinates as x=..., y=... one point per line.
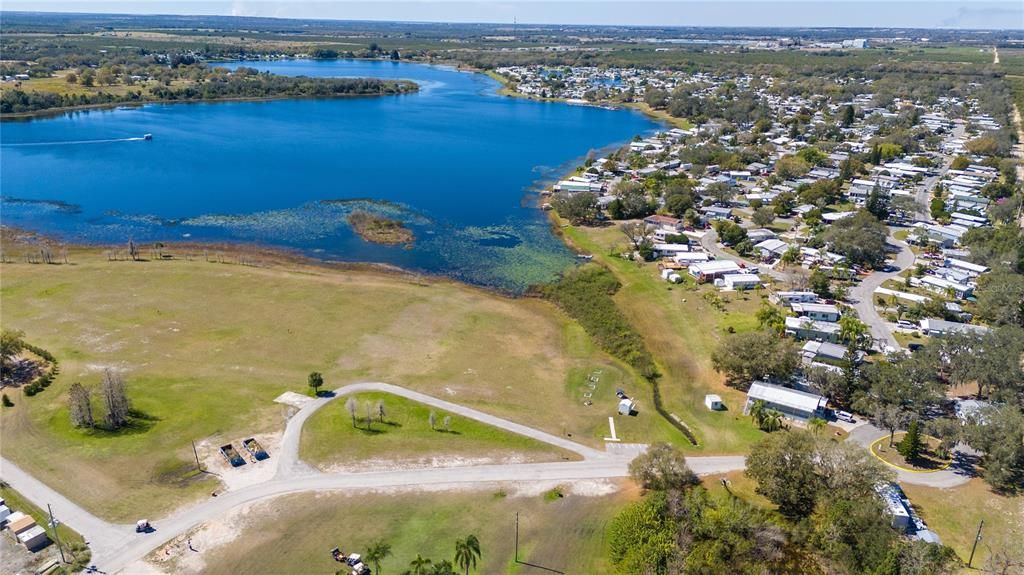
x=955, y=513
x=329, y=439
x=682, y=330
x=204, y=364
x=566, y=534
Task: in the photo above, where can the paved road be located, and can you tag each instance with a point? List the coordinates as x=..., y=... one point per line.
x=960, y=472
x=115, y=547
x=709, y=241
x=862, y=296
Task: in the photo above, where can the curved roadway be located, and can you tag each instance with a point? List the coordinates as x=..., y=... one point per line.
x=115, y=546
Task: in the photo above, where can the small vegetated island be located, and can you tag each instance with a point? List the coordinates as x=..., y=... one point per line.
x=379, y=229
x=187, y=82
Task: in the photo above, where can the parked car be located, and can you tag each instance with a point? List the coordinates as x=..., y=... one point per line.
x=845, y=416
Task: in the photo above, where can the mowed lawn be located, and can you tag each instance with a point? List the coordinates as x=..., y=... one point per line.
x=331, y=441
x=682, y=330
x=955, y=513
x=565, y=534
x=205, y=348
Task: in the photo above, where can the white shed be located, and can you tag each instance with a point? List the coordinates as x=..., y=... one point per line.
x=713, y=402
x=626, y=406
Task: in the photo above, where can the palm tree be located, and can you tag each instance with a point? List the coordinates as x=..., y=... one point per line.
x=772, y=421
x=419, y=565
x=467, y=551
x=758, y=410
x=376, y=553
x=444, y=567
x=815, y=424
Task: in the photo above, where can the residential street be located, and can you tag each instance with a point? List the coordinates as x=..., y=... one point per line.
x=862, y=296
x=959, y=473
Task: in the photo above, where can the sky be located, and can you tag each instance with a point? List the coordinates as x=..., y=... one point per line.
x=961, y=14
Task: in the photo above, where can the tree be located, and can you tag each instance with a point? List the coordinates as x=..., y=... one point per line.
x=721, y=192
x=795, y=470
x=854, y=534
x=911, y=445
x=853, y=332
x=998, y=432
x=730, y=233
x=432, y=419
x=847, y=116
x=352, y=407
x=443, y=567
x=746, y=357
x=116, y=399
x=960, y=163
x=861, y=238
x=821, y=283
x=316, y=380
x=377, y=552
x=6, y=401
x=772, y=421
x=632, y=201
x=638, y=234
x=12, y=342
x=763, y=216
x=661, y=468
x=467, y=552
x=420, y=565
x=80, y=406
x=791, y=167
x=815, y=425
x=770, y=317
x=380, y=410
x=877, y=203
x=890, y=417
x=71, y=78
x=369, y=415
x=641, y=538
x=579, y=209
x=813, y=156
x=447, y=423
x=1001, y=298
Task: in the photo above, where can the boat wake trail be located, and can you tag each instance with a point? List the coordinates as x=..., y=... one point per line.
x=72, y=142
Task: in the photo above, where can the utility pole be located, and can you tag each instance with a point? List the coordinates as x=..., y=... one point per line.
x=517, y=536
x=56, y=536
x=975, y=546
x=199, y=467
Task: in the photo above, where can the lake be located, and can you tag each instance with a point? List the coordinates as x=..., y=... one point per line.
x=459, y=164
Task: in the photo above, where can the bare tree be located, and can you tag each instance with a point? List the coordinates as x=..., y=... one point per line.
x=352, y=407
x=133, y=250
x=447, y=422
x=380, y=410
x=637, y=233
x=890, y=417
x=80, y=406
x=116, y=398
x=369, y=415
x=432, y=419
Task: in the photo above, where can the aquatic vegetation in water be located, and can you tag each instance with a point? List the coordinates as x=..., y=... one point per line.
x=42, y=205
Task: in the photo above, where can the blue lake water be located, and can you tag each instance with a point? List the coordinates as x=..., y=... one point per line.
x=458, y=163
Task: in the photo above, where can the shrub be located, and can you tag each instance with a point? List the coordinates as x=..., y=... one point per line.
x=6, y=401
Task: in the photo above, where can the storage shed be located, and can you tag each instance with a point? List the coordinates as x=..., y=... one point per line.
x=33, y=538
x=713, y=402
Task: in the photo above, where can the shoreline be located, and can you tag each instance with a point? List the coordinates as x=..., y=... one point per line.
x=262, y=256
x=55, y=112
x=661, y=116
